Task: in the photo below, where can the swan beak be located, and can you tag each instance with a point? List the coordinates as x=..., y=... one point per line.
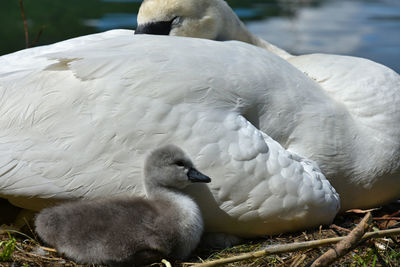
x=197, y=177
x=157, y=28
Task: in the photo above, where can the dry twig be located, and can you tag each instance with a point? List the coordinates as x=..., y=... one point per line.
x=386, y=218
x=38, y=36
x=344, y=246
x=27, y=43
x=359, y=211
x=337, y=227
x=21, y=5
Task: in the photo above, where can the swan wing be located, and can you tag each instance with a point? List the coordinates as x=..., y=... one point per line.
x=370, y=93
x=364, y=86
x=262, y=184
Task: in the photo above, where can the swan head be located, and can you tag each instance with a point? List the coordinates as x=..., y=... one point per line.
x=170, y=167
x=190, y=18
x=207, y=19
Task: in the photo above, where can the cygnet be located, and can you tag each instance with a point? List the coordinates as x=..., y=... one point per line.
x=132, y=231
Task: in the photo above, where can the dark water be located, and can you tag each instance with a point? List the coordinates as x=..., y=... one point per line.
x=366, y=28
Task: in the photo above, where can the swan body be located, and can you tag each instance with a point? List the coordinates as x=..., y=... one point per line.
x=352, y=131
x=78, y=116
x=132, y=230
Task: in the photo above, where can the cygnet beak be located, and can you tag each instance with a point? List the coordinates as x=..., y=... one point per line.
x=197, y=177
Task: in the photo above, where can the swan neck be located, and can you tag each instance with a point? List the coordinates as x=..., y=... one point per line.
x=232, y=28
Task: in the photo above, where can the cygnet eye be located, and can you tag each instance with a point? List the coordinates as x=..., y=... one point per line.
x=179, y=163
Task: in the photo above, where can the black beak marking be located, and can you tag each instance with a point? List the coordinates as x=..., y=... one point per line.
x=197, y=177
x=157, y=28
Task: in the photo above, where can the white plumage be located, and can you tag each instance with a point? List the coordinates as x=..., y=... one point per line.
x=350, y=122
x=77, y=117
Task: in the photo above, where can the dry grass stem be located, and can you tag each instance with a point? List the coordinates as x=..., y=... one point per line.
x=166, y=263
x=48, y=249
x=298, y=260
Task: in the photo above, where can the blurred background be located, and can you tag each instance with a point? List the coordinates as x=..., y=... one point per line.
x=366, y=28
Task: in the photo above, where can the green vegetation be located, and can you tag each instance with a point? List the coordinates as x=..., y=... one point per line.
x=7, y=248
x=368, y=258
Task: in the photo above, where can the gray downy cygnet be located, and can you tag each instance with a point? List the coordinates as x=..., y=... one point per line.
x=132, y=230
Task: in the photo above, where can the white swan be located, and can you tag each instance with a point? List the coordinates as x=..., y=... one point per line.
x=354, y=137
x=132, y=231
x=76, y=118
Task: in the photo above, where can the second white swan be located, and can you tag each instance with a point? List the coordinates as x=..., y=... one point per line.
x=350, y=124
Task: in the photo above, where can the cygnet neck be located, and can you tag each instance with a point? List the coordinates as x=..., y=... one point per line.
x=187, y=216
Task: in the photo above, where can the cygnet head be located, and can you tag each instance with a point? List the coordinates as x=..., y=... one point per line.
x=170, y=167
x=190, y=18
